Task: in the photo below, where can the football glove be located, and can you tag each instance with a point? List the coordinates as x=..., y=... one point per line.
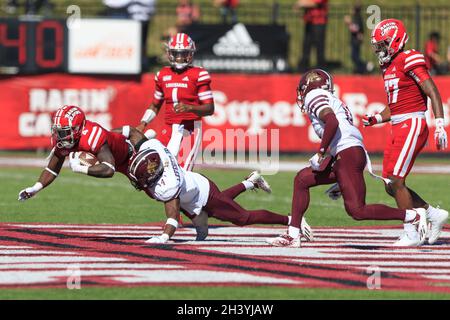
x=29, y=192
x=75, y=164
x=158, y=239
x=334, y=192
x=315, y=161
x=440, y=136
x=370, y=120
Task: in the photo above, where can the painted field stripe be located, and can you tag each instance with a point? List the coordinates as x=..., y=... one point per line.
x=412, y=270
x=12, y=259
x=431, y=264
x=68, y=226
x=88, y=265
x=15, y=247
x=33, y=252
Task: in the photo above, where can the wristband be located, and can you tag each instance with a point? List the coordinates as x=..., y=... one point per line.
x=126, y=131
x=148, y=116
x=172, y=222
x=81, y=169
x=37, y=187
x=439, y=122
x=378, y=118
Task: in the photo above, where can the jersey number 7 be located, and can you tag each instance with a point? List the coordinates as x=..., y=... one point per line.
x=391, y=83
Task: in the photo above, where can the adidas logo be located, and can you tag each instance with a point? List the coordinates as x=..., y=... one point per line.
x=185, y=78
x=236, y=42
x=404, y=126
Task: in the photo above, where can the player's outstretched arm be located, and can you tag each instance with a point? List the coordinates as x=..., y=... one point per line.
x=47, y=176
x=429, y=88
x=104, y=169
x=172, y=208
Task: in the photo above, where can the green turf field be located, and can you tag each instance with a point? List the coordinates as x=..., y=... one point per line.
x=74, y=198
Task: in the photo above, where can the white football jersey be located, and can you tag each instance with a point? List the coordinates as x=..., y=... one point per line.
x=192, y=188
x=347, y=134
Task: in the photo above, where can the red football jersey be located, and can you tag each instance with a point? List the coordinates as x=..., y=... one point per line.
x=191, y=86
x=402, y=84
x=93, y=137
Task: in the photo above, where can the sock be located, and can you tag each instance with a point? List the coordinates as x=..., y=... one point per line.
x=293, y=232
x=248, y=185
x=410, y=215
x=289, y=219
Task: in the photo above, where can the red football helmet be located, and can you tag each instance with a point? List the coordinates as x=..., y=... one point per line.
x=68, y=123
x=313, y=79
x=180, y=51
x=388, y=38
x=145, y=168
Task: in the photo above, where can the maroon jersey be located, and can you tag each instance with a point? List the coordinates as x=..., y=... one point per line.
x=93, y=137
x=191, y=86
x=401, y=82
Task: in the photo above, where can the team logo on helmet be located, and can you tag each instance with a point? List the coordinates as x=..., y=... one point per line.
x=180, y=51
x=313, y=79
x=67, y=126
x=145, y=169
x=388, y=38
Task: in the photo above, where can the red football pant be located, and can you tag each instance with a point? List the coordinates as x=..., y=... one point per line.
x=348, y=171
x=183, y=140
x=221, y=206
x=406, y=141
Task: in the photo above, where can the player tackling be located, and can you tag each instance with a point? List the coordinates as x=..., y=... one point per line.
x=333, y=123
x=408, y=84
x=185, y=90
x=155, y=170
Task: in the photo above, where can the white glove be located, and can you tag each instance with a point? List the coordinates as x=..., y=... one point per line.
x=440, y=136
x=307, y=231
x=334, y=192
x=29, y=192
x=315, y=161
x=75, y=164
x=158, y=239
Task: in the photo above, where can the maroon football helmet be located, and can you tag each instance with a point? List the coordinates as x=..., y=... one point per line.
x=145, y=169
x=313, y=79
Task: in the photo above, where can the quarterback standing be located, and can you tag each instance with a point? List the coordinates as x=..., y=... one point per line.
x=185, y=90
x=408, y=85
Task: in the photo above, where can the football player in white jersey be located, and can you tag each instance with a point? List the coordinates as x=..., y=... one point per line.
x=333, y=123
x=156, y=171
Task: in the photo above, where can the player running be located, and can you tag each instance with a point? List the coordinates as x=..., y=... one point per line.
x=71, y=132
x=333, y=123
x=407, y=84
x=155, y=170
x=185, y=90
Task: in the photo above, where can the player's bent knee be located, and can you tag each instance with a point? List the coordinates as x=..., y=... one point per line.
x=302, y=178
x=356, y=212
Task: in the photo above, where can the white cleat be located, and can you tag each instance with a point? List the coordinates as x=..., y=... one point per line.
x=259, y=182
x=437, y=217
x=415, y=231
x=284, y=240
x=307, y=231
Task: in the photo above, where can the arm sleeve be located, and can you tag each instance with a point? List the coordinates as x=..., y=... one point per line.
x=316, y=101
x=419, y=74
x=159, y=93
x=331, y=126
x=204, y=88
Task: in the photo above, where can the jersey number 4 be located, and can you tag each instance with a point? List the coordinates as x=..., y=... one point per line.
x=391, y=84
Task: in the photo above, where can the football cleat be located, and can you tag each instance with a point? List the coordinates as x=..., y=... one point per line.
x=259, y=182
x=307, y=231
x=415, y=231
x=436, y=218
x=284, y=240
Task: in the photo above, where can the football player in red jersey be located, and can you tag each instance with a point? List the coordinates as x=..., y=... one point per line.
x=71, y=132
x=407, y=84
x=185, y=90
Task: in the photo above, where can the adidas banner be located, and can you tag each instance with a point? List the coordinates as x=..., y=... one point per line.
x=241, y=48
